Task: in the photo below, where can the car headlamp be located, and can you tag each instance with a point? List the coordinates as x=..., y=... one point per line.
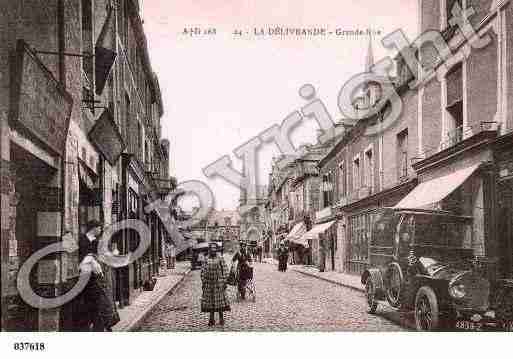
x=457, y=291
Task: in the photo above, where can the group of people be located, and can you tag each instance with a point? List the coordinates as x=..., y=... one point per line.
x=257, y=252
x=214, y=278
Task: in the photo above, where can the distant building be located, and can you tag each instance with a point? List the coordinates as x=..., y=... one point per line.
x=220, y=225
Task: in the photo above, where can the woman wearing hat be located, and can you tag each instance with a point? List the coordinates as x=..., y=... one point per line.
x=213, y=279
x=98, y=308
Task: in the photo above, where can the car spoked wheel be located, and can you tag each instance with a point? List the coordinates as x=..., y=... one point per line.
x=395, y=284
x=370, y=292
x=426, y=310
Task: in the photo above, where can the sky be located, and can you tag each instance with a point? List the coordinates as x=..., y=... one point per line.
x=219, y=91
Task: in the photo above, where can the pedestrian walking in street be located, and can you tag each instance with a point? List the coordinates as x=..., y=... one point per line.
x=243, y=259
x=97, y=308
x=260, y=251
x=283, y=257
x=213, y=280
x=170, y=252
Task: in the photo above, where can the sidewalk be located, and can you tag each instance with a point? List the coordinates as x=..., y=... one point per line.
x=132, y=315
x=345, y=280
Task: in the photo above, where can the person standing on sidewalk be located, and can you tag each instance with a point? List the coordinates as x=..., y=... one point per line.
x=213, y=280
x=283, y=257
x=98, y=307
x=170, y=255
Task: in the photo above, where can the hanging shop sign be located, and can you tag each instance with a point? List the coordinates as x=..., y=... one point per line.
x=39, y=103
x=106, y=138
x=104, y=54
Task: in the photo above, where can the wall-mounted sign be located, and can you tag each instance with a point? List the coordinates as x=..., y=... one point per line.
x=106, y=138
x=39, y=103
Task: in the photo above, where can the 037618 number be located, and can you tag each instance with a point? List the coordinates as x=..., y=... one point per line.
x=26, y=346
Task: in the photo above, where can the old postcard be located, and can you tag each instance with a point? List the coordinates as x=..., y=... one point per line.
x=256, y=166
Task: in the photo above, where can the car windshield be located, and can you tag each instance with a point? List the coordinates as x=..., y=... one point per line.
x=437, y=230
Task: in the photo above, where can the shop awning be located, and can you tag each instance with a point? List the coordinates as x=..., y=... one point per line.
x=314, y=232
x=435, y=190
x=297, y=231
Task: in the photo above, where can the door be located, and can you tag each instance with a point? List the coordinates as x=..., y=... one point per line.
x=26, y=317
x=505, y=228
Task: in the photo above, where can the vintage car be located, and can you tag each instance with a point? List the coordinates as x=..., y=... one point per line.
x=422, y=260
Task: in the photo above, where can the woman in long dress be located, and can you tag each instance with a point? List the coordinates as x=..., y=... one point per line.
x=213, y=279
x=96, y=300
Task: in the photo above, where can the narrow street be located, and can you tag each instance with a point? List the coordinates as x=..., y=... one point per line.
x=287, y=301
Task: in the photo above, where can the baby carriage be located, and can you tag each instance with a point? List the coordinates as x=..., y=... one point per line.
x=244, y=282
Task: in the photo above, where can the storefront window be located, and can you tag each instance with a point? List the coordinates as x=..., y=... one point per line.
x=360, y=229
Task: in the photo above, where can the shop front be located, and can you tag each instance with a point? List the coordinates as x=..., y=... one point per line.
x=298, y=249
x=463, y=180
x=32, y=144
x=355, y=225
x=323, y=242
x=503, y=151
x=133, y=190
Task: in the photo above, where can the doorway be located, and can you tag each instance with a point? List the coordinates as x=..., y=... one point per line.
x=505, y=228
x=31, y=175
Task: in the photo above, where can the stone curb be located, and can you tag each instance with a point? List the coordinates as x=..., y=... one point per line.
x=136, y=323
x=359, y=289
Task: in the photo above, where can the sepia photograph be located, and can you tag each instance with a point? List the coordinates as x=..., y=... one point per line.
x=320, y=170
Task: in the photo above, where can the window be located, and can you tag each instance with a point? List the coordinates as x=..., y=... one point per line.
x=402, y=154
x=455, y=104
x=360, y=228
x=369, y=169
x=87, y=61
x=127, y=136
x=342, y=180
x=87, y=39
x=327, y=189
x=449, y=4
x=356, y=173
x=139, y=140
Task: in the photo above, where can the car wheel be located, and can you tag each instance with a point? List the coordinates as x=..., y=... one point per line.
x=427, y=313
x=370, y=293
x=395, y=285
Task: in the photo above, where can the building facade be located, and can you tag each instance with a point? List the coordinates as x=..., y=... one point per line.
x=453, y=133
x=81, y=68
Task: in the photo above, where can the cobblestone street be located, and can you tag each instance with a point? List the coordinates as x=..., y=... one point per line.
x=287, y=301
